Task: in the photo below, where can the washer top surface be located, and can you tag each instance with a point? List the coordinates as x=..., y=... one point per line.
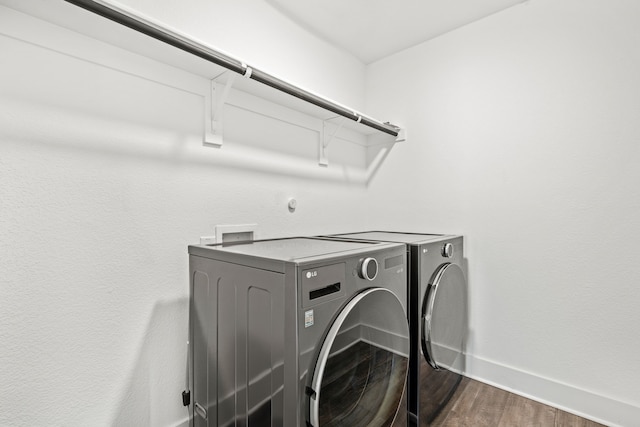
x=293, y=249
x=392, y=236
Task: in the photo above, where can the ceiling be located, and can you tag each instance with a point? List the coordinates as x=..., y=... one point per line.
x=373, y=29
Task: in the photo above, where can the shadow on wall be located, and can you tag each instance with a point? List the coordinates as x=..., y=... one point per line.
x=152, y=396
x=259, y=151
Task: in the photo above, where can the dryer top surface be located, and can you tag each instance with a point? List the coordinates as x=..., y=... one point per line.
x=293, y=249
x=393, y=236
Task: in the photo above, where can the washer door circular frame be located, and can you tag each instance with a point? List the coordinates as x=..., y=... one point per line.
x=444, y=316
x=378, y=305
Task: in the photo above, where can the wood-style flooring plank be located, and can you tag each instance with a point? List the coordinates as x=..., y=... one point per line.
x=478, y=405
x=475, y=404
x=488, y=406
x=454, y=413
x=523, y=412
x=565, y=419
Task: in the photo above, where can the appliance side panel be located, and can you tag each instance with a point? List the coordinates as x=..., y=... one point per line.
x=204, y=340
x=228, y=358
x=259, y=356
x=294, y=386
x=413, y=309
x=265, y=353
x=238, y=344
x=262, y=308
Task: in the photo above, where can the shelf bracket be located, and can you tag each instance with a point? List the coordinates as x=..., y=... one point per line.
x=326, y=138
x=215, y=99
x=402, y=132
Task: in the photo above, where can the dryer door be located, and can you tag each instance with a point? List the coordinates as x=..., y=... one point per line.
x=359, y=376
x=444, y=318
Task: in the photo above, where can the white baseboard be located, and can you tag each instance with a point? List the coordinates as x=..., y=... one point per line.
x=183, y=423
x=584, y=403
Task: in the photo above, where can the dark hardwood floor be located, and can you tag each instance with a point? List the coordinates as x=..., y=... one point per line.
x=476, y=404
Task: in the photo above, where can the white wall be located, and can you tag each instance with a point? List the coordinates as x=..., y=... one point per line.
x=524, y=135
x=258, y=34
x=103, y=184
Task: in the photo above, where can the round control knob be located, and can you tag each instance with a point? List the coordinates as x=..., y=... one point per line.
x=447, y=250
x=368, y=269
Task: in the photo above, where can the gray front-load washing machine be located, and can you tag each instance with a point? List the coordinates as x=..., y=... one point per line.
x=299, y=332
x=437, y=317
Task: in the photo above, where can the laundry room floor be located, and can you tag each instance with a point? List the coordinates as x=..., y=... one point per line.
x=481, y=405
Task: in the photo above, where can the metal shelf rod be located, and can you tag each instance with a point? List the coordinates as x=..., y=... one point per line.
x=207, y=53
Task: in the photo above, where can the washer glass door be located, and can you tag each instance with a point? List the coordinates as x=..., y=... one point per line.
x=444, y=318
x=361, y=369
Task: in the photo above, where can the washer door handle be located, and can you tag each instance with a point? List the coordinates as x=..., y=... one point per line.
x=200, y=410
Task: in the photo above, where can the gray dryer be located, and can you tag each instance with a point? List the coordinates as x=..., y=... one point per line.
x=299, y=332
x=437, y=292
